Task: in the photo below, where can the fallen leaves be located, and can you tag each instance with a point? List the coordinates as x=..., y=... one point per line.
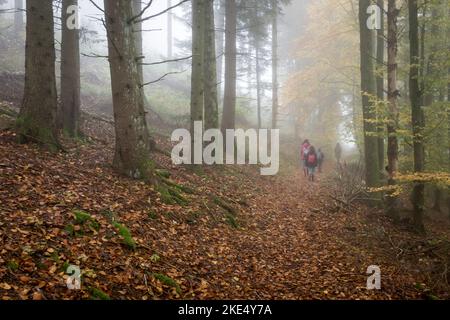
x=5, y=286
x=281, y=250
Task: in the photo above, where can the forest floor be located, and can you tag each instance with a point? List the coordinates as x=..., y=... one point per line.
x=228, y=233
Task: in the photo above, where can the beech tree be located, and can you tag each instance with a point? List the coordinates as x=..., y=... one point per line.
x=417, y=117
x=368, y=88
x=380, y=82
x=393, y=94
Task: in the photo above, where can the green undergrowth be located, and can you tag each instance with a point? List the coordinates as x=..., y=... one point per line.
x=125, y=233
x=121, y=229
x=97, y=294
x=168, y=281
x=83, y=223
x=172, y=193
x=230, y=212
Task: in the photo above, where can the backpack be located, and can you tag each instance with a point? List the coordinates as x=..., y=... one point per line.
x=312, y=158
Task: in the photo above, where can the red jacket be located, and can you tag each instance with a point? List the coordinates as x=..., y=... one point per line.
x=305, y=147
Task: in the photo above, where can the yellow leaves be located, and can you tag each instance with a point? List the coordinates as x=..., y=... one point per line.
x=203, y=285
x=5, y=286
x=392, y=190
x=52, y=269
x=82, y=257
x=442, y=178
x=89, y=274
x=155, y=258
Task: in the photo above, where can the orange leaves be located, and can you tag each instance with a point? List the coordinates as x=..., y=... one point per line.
x=284, y=250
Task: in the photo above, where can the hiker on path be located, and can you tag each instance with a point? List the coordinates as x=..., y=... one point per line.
x=311, y=162
x=304, y=150
x=320, y=159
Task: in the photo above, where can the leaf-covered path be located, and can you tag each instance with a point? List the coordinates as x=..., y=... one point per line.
x=234, y=235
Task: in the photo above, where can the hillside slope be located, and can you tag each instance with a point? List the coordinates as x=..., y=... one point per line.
x=215, y=233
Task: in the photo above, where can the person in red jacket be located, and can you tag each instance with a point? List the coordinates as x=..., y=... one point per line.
x=311, y=162
x=304, y=150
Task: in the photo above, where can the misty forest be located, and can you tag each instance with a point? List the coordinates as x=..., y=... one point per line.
x=224, y=149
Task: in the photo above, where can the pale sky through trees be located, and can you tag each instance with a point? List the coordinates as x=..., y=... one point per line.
x=235, y=150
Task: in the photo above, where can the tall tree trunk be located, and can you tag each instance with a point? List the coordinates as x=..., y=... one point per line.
x=430, y=93
x=393, y=95
x=274, y=63
x=210, y=69
x=18, y=17
x=197, y=79
x=368, y=88
x=380, y=83
x=37, y=119
x=132, y=150
x=169, y=31
x=448, y=114
x=220, y=23
x=448, y=133
x=70, y=70
x=229, y=104
x=416, y=113
x=258, y=82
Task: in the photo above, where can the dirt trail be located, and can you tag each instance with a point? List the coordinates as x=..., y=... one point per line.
x=295, y=251
x=283, y=244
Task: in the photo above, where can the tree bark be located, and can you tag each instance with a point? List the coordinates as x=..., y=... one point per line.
x=197, y=80
x=210, y=69
x=393, y=95
x=437, y=199
x=380, y=84
x=275, y=100
x=70, y=72
x=229, y=104
x=448, y=115
x=37, y=118
x=220, y=23
x=448, y=133
x=132, y=149
x=416, y=114
x=368, y=88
